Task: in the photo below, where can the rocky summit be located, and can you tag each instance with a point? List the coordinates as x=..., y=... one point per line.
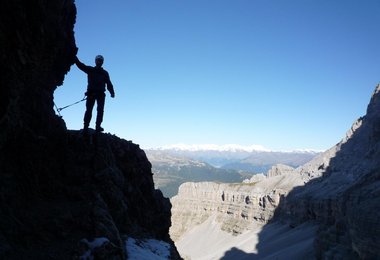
x=63, y=196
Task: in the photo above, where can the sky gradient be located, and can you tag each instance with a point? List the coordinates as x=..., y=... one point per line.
x=281, y=74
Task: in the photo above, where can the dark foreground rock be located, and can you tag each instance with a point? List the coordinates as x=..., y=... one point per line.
x=57, y=188
x=100, y=186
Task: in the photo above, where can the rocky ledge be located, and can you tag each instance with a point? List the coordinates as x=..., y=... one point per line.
x=101, y=187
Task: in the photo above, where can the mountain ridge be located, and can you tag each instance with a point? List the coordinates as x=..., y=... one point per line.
x=222, y=158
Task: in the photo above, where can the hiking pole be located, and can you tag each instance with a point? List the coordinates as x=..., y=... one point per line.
x=62, y=108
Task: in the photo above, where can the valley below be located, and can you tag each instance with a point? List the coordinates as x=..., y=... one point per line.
x=209, y=241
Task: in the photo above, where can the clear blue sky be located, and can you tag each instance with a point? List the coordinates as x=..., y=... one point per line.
x=282, y=74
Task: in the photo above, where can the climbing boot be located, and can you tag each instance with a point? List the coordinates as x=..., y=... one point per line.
x=99, y=129
x=85, y=130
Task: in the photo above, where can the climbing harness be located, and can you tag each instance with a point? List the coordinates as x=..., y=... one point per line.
x=62, y=108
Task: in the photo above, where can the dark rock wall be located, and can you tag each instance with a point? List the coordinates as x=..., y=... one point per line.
x=56, y=187
x=37, y=49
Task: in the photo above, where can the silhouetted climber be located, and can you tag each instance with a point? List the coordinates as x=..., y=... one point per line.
x=97, y=78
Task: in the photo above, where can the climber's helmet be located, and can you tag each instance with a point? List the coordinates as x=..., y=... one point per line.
x=99, y=60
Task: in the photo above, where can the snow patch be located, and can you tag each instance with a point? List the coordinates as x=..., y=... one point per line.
x=147, y=249
x=97, y=242
x=137, y=249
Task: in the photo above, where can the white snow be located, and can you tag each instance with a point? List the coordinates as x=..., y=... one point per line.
x=146, y=249
x=303, y=151
x=149, y=249
x=214, y=147
x=274, y=241
x=228, y=148
x=97, y=242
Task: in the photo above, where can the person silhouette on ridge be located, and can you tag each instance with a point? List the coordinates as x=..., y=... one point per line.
x=97, y=78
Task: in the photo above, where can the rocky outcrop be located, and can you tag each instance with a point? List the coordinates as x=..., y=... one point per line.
x=279, y=169
x=103, y=187
x=60, y=192
x=255, y=178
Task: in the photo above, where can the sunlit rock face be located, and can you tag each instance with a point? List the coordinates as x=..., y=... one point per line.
x=57, y=188
x=235, y=205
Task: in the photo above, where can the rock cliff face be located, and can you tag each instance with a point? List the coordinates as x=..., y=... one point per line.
x=279, y=169
x=58, y=190
x=235, y=205
x=339, y=190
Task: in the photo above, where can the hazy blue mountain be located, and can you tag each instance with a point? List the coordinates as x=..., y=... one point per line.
x=263, y=161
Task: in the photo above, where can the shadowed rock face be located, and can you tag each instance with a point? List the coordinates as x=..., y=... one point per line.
x=345, y=199
x=57, y=188
x=37, y=49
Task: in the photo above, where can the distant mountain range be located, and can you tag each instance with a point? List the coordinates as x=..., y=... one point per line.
x=254, y=158
x=214, y=147
x=174, y=165
x=227, y=148
x=263, y=161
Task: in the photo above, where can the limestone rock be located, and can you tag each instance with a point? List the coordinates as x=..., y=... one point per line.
x=255, y=178
x=235, y=205
x=279, y=169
